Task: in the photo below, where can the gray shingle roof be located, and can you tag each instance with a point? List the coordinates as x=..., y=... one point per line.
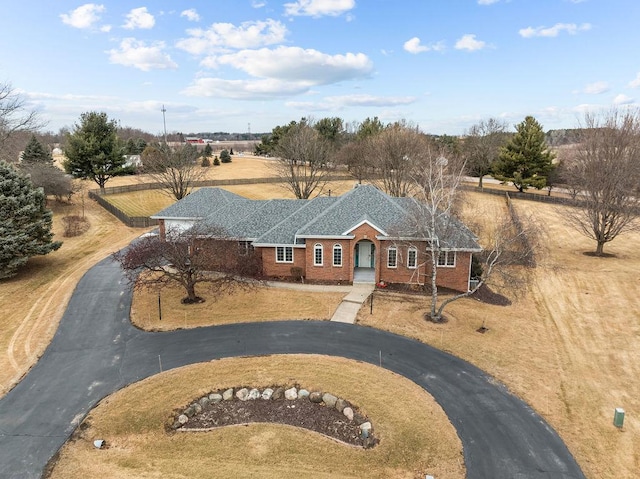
x=284, y=222
x=200, y=204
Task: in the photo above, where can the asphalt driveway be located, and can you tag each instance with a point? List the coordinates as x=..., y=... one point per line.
x=96, y=351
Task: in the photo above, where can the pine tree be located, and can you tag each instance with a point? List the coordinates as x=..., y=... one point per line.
x=225, y=157
x=208, y=151
x=93, y=150
x=25, y=222
x=216, y=161
x=36, y=152
x=525, y=160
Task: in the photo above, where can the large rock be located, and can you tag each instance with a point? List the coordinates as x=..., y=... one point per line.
x=190, y=411
x=204, y=401
x=183, y=419
x=196, y=406
x=315, y=397
x=254, y=394
x=341, y=404
x=348, y=413
x=329, y=399
x=242, y=394
x=303, y=393
x=365, y=429
x=267, y=393
x=278, y=394
x=228, y=394
x=215, y=398
x=359, y=418
x=291, y=394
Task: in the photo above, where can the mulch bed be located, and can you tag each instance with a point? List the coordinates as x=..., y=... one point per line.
x=298, y=412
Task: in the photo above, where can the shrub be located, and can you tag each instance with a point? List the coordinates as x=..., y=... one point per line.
x=206, y=162
x=216, y=161
x=225, y=157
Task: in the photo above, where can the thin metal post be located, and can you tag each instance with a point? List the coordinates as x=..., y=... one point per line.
x=159, y=307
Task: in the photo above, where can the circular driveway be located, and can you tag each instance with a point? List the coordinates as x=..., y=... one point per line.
x=96, y=351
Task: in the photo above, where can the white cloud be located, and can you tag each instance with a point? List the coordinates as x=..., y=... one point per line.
x=191, y=15
x=554, y=31
x=137, y=54
x=469, y=42
x=85, y=16
x=635, y=83
x=623, y=100
x=318, y=8
x=333, y=103
x=263, y=89
x=257, y=4
x=296, y=64
x=596, y=88
x=226, y=35
x=487, y=2
x=139, y=18
x=414, y=46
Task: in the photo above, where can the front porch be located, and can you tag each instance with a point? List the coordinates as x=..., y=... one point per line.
x=364, y=275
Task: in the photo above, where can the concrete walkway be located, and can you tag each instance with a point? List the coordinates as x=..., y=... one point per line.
x=347, y=311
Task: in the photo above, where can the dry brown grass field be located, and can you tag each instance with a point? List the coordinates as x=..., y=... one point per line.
x=415, y=435
x=569, y=346
x=261, y=303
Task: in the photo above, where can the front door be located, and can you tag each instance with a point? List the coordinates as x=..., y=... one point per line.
x=365, y=257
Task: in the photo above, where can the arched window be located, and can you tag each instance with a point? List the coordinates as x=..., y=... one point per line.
x=337, y=255
x=317, y=255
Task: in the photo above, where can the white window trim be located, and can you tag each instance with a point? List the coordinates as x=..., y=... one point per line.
x=337, y=247
x=413, y=250
x=318, y=247
x=447, y=255
x=389, y=249
x=284, y=254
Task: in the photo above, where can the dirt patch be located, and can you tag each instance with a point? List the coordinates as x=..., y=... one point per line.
x=298, y=412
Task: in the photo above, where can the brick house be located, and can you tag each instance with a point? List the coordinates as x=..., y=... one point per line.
x=364, y=235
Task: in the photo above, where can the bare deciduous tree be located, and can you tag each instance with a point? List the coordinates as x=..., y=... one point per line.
x=303, y=160
x=188, y=259
x=176, y=169
x=15, y=117
x=396, y=152
x=482, y=145
x=437, y=195
x=606, y=170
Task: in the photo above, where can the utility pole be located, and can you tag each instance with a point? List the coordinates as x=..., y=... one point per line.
x=164, y=121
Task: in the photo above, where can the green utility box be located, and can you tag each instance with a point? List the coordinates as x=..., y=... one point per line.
x=618, y=417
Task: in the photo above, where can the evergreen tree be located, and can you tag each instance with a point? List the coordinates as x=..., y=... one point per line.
x=206, y=162
x=525, y=160
x=225, y=157
x=36, y=152
x=208, y=151
x=25, y=222
x=216, y=161
x=93, y=150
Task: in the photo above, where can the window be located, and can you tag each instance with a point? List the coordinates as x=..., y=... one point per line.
x=245, y=247
x=412, y=258
x=284, y=254
x=317, y=255
x=337, y=255
x=447, y=258
x=392, y=257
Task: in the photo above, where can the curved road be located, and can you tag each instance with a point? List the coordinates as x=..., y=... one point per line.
x=96, y=351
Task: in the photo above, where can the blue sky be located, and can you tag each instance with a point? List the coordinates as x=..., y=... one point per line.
x=239, y=64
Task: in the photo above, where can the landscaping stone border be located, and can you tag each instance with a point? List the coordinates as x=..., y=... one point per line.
x=276, y=393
